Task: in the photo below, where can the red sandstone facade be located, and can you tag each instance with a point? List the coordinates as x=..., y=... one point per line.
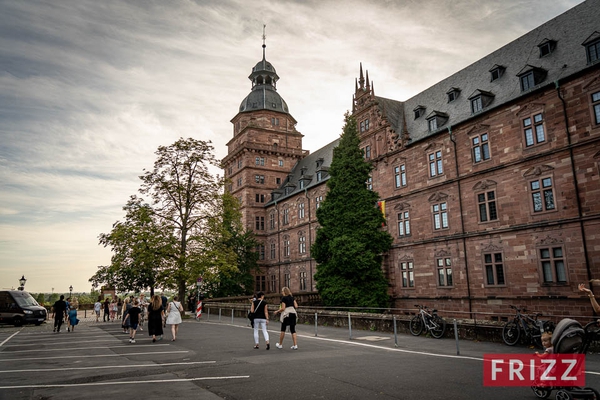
x=491, y=189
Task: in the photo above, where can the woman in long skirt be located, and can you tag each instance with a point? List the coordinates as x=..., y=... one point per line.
x=155, y=318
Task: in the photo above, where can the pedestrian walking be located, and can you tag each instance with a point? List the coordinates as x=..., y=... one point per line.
x=174, y=311
x=106, y=316
x=97, y=308
x=260, y=311
x=143, y=307
x=133, y=317
x=73, y=320
x=60, y=311
x=119, y=307
x=125, y=322
x=113, y=309
x=165, y=302
x=156, y=314
x=288, y=317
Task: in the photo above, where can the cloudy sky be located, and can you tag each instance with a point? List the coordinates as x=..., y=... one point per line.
x=89, y=89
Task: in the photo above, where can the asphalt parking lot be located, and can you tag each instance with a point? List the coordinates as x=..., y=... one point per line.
x=215, y=359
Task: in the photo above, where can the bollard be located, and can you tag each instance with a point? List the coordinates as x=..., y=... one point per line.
x=456, y=337
x=395, y=333
x=208, y=313
x=349, y=325
x=232, y=316
x=316, y=315
x=219, y=314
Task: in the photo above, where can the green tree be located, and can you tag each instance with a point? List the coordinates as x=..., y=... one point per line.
x=229, y=252
x=183, y=192
x=350, y=242
x=140, y=247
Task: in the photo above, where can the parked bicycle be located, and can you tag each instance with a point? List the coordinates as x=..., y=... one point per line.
x=429, y=320
x=525, y=326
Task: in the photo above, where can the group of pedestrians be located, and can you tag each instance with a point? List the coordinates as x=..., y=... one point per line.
x=160, y=313
x=259, y=310
x=65, y=311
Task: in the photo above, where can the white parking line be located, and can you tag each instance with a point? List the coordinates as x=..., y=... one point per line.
x=85, y=348
x=8, y=338
x=126, y=383
x=66, y=344
x=105, y=367
x=94, y=356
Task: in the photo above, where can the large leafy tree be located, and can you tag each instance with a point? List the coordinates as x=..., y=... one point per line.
x=141, y=248
x=183, y=192
x=229, y=252
x=350, y=242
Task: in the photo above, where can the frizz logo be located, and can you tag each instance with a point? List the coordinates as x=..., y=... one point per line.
x=534, y=370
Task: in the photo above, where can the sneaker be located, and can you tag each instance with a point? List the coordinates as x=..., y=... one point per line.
x=268, y=346
x=256, y=347
x=294, y=347
x=132, y=341
x=278, y=346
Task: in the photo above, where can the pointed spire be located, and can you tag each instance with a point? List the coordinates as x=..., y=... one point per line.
x=362, y=78
x=355, y=85
x=372, y=88
x=264, y=38
x=368, y=83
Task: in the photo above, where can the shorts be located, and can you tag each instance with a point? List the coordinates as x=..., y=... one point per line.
x=290, y=321
x=134, y=326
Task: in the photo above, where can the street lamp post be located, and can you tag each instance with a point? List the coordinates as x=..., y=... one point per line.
x=22, y=283
x=71, y=291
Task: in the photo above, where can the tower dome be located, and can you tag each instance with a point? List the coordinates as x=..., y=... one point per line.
x=264, y=94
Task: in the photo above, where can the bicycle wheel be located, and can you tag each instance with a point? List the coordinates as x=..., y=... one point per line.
x=439, y=326
x=541, y=392
x=511, y=333
x=416, y=325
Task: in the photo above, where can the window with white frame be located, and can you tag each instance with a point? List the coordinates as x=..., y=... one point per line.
x=272, y=220
x=370, y=183
x=273, y=283
x=542, y=194
x=444, y=271
x=486, y=202
x=480, y=148
x=403, y=224
x=593, y=51
x=260, y=223
x=596, y=107
x=400, y=176
x=367, y=152
x=281, y=163
x=533, y=128
x=259, y=179
x=272, y=251
x=435, y=164
x=300, y=210
x=287, y=279
x=494, y=269
x=408, y=274
x=286, y=246
x=318, y=201
x=303, y=280
x=302, y=244
x=260, y=161
x=440, y=216
x=286, y=216
x=552, y=264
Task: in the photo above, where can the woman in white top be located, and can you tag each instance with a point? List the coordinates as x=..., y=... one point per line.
x=174, y=311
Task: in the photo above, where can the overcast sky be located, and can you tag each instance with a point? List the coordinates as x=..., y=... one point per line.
x=89, y=90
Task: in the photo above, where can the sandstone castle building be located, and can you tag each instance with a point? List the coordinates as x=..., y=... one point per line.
x=490, y=178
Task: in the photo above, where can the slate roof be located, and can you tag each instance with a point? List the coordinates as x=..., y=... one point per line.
x=307, y=169
x=569, y=30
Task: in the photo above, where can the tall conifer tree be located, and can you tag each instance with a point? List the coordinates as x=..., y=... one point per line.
x=350, y=242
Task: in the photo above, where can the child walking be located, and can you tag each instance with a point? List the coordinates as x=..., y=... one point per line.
x=133, y=318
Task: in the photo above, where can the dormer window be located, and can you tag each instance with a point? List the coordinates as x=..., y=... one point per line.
x=546, y=47
x=435, y=120
x=592, y=47
x=531, y=76
x=497, y=71
x=419, y=111
x=452, y=94
x=480, y=99
x=319, y=176
x=319, y=163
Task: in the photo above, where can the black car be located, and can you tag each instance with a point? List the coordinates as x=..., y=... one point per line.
x=17, y=307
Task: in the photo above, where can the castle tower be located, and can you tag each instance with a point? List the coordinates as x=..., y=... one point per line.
x=264, y=148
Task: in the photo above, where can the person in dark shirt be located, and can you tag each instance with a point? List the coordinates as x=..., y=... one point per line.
x=133, y=318
x=60, y=312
